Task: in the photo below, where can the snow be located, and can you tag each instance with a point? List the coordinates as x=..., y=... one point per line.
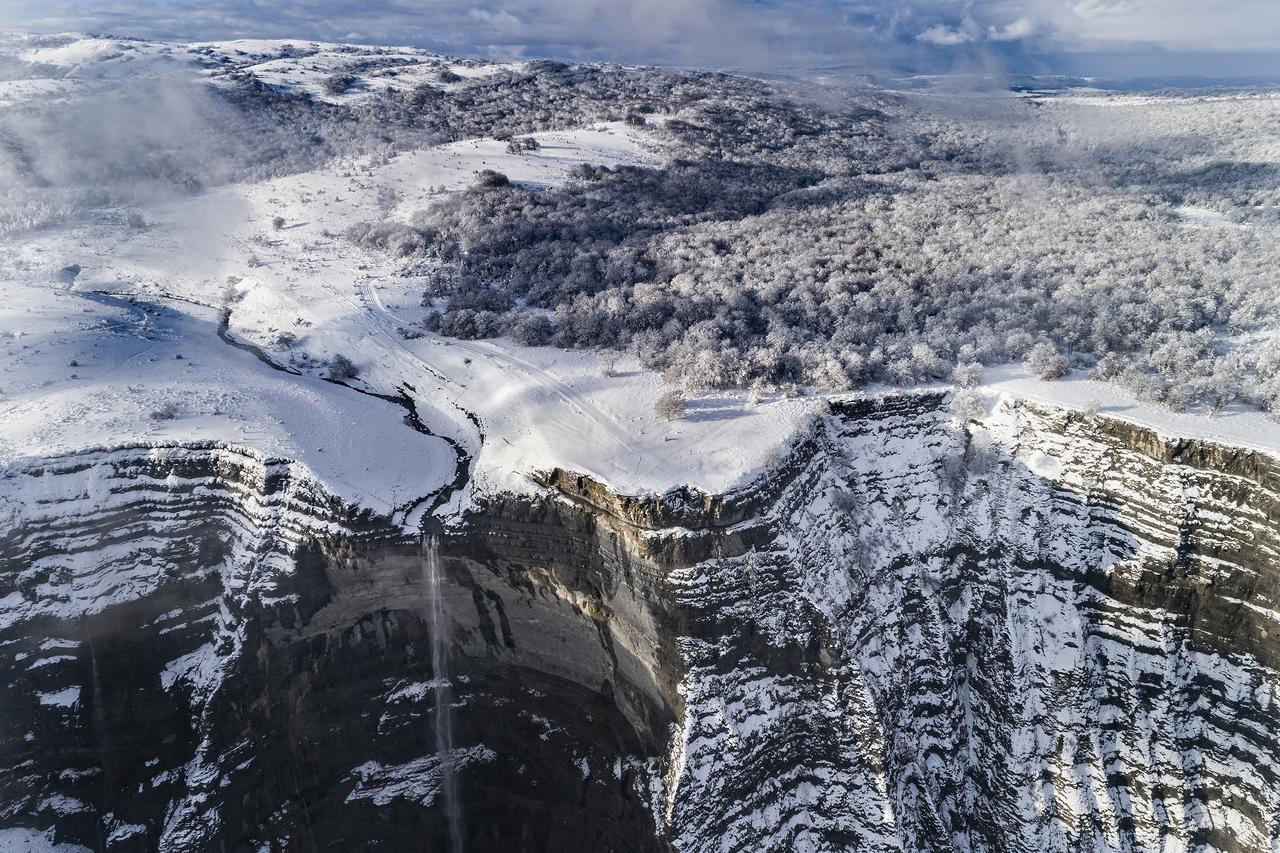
x=150, y=374
x=65, y=698
x=20, y=839
x=199, y=668
x=539, y=408
x=1237, y=426
x=417, y=780
x=305, y=71
x=1204, y=217
x=121, y=831
x=72, y=54
x=415, y=691
x=141, y=323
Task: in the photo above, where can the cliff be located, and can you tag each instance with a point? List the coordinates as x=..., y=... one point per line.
x=1038, y=631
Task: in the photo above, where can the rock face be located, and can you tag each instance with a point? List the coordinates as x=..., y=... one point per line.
x=1040, y=631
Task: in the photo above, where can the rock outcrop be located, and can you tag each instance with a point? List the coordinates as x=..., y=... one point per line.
x=1038, y=631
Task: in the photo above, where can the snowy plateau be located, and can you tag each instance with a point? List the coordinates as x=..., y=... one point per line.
x=328, y=525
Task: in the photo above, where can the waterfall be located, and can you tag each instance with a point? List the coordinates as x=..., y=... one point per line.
x=442, y=692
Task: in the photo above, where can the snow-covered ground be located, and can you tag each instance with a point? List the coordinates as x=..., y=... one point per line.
x=1235, y=425
x=1203, y=217
x=23, y=840
x=129, y=351
x=86, y=371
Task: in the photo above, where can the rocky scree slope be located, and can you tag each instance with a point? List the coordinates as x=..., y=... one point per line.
x=1039, y=631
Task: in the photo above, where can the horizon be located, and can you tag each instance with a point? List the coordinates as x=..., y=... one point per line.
x=1091, y=38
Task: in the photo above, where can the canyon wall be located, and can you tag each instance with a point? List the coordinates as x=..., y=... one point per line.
x=1037, y=631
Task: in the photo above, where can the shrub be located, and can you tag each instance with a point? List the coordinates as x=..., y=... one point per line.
x=491, y=178
x=588, y=172
x=401, y=240
x=522, y=145
x=339, y=83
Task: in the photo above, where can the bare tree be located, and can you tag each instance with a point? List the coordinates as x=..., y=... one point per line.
x=670, y=406
x=608, y=363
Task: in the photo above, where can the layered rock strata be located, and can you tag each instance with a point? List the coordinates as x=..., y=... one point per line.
x=1037, y=631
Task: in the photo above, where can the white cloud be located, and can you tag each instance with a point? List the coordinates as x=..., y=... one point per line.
x=1018, y=29
x=1093, y=9
x=941, y=34
x=1228, y=25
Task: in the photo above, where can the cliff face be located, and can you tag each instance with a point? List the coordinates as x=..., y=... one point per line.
x=201, y=650
x=1047, y=633
x=1040, y=632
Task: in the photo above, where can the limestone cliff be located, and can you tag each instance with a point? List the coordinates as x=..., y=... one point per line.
x=1037, y=631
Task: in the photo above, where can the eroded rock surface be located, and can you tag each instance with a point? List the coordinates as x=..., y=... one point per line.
x=1040, y=631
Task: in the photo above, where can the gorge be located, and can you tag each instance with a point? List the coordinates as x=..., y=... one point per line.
x=412, y=452
x=1039, y=629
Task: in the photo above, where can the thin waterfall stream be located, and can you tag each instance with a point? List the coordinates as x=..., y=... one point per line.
x=442, y=692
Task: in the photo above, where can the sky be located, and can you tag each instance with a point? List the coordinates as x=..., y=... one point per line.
x=1124, y=38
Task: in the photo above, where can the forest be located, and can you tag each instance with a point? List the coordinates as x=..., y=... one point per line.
x=790, y=235
x=791, y=240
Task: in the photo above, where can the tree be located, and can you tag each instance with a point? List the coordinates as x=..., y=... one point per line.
x=342, y=368
x=339, y=83
x=532, y=330
x=670, y=406
x=608, y=364
x=967, y=405
x=1044, y=361
x=967, y=374
x=277, y=222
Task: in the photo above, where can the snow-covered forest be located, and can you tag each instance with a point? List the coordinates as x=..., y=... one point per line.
x=863, y=237
x=788, y=235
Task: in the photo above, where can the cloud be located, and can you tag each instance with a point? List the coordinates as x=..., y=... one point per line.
x=941, y=34
x=1013, y=31
x=754, y=33
x=751, y=34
